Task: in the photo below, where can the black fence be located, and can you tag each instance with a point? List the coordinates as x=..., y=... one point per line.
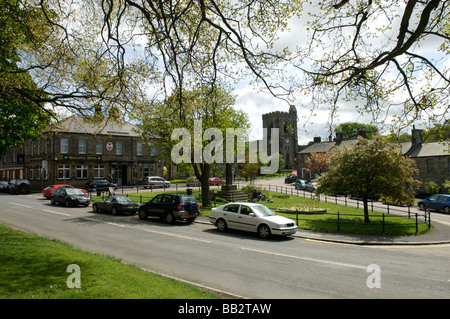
x=339, y=220
x=340, y=200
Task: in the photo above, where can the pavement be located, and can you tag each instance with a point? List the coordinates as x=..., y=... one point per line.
x=439, y=235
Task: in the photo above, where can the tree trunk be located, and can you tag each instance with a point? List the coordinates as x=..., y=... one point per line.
x=202, y=172
x=366, y=211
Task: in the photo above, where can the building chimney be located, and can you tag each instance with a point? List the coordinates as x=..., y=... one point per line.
x=317, y=139
x=416, y=136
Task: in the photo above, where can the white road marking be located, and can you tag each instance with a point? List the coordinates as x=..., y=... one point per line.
x=20, y=204
x=305, y=258
x=151, y=231
x=53, y=212
x=114, y=224
x=174, y=235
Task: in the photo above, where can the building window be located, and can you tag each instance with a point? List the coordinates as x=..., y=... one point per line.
x=38, y=172
x=119, y=148
x=82, y=147
x=139, y=149
x=153, y=150
x=64, y=145
x=99, y=147
x=63, y=171
x=99, y=171
x=82, y=171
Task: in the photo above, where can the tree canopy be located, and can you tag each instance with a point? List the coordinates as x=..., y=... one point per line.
x=369, y=169
x=385, y=56
x=351, y=130
x=117, y=56
x=22, y=115
x=196, y=134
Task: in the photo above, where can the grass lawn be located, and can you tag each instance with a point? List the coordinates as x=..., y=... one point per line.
x=350, y=219
x=35, y=267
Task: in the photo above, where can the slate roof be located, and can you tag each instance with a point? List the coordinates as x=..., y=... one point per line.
x=320, y=147
x=407, y=148
x=429, y=149
x=78, y=124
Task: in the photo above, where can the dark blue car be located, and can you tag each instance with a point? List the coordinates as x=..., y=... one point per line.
x=171, y=207
x=438, y=202
x=116, y=205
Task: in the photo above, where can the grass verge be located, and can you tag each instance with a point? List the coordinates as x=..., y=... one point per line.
x=35, y=267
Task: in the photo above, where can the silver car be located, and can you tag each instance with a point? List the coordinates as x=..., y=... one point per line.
x=155, y=181
x=251, y=217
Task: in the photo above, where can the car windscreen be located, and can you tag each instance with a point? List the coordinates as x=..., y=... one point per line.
x=262, y=210
x=186, y=199
x=123, y=199
x=74, y=191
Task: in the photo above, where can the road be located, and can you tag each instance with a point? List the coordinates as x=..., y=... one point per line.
x=238, y=263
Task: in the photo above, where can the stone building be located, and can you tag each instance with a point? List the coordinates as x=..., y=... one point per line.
x=286, y=122
x=74, y=151
x=432, y=159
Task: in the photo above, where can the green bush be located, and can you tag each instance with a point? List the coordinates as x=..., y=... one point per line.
x=431, y=188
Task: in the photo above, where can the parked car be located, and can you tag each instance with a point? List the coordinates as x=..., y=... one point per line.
x=290, y=179
x=115, y=205
x=69, y=197
x=192, y=181
x=300, y=184
x=16, y=186
x=311, y=186
x=438, y=202
x=99, y=185
x=47, y=192
x=155, y=181
x=3, y=186
x=171, y=207
x=251, y=217
x=216, y=181
x=394, y=201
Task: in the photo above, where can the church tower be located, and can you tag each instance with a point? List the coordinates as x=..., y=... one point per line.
x=286, y=122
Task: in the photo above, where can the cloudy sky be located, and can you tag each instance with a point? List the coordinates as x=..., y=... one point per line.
x=317, y=123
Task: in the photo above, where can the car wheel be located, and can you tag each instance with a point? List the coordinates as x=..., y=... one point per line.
x=447, y=210
x=264, y=231
x=170, y=219
x=190, y=220
x=52, y=201
x=114, y=211
x=221, y=225
x=67, y=203
x=422, y=206
x=95, y=208
x=142, y=215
